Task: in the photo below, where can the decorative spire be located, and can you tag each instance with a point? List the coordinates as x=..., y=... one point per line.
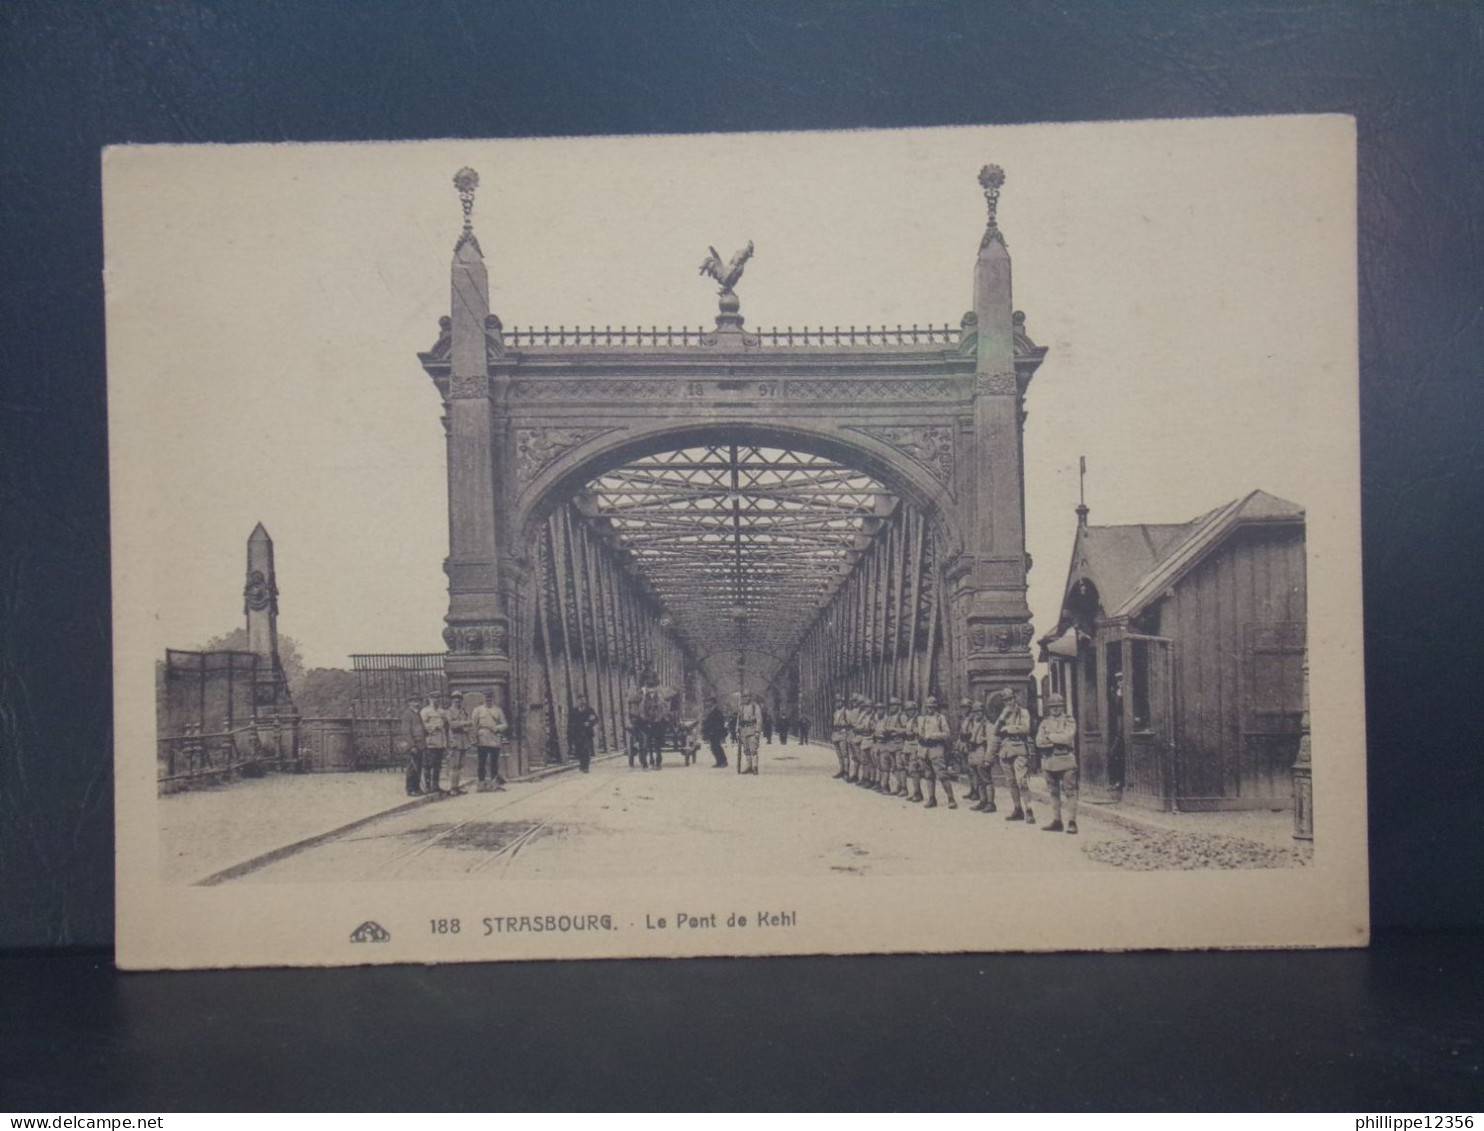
x=1081, y=490
x=991, y=178
x=466, y=180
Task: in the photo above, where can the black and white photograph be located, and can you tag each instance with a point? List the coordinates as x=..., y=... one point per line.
x=916, y=540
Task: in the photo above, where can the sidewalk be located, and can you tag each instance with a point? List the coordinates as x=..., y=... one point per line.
x=1248, y=838
x=204, y=832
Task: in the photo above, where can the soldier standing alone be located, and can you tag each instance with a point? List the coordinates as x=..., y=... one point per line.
x=1057, y=737
x=750, y=729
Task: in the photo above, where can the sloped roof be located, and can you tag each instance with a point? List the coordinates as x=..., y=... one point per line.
x=1209, y=532
x=1116, y=558
x=1133, y=564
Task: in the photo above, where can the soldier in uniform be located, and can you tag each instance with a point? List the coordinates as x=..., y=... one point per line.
x=935, y=737
x=912, y=748
x=966, y=708
x=1056, y=739
x=895, y=732
x=972, y=743
x=840, y=738
x=876, y=753
x=459, y=738
x=435, y=720
x=879, y=751
x=1013, y=730
x=852, y=755
x=860, y=727
x=984, y=750
x=489, y=727
x=750, y=729
x=413, y=736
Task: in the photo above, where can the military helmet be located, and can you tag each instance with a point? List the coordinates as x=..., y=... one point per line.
x=880, y=706
x=1055, y=701
x=911, y=704
x=932, y=700
x=895, y=701
x=966, y=704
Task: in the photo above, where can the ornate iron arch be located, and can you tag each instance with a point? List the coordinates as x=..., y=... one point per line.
x=934, y=412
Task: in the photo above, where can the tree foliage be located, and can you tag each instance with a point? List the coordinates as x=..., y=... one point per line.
x=288, y=652
x=325, y=693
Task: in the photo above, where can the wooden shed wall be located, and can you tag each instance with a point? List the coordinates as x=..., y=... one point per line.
x=1238, y=625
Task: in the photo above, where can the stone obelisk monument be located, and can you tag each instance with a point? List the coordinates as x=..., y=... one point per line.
x=271, y=698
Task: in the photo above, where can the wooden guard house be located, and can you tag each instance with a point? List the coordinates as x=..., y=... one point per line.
x=1180, y=650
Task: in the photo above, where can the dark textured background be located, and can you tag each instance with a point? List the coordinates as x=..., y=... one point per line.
x=79, y=76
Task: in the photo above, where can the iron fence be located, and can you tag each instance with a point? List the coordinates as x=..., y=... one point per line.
x=532, y=337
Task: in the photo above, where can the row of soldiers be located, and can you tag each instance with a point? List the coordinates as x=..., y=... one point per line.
x=884, y=745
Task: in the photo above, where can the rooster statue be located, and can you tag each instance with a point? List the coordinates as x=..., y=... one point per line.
x=727, y=276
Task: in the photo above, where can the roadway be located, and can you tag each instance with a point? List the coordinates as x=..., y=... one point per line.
x=791, y=819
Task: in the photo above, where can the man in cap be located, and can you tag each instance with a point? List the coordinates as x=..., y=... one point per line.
x=840, y=737
x=1013, y=730
x=435, y=720
x=489, y=727
x=936, y=737
x=413, y=737
x=459, y=738
x=582, y=720
x=714, y=731
x=1056, y=739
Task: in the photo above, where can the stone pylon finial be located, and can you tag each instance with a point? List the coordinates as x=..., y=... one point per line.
x=466, y=180
x=991, y=180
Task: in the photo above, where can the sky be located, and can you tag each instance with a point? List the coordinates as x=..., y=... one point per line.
x=1193, y=280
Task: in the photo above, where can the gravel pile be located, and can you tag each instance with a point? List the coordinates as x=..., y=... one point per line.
x=1151, y=850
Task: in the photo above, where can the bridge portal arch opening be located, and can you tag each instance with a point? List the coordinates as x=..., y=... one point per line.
x=820, y=512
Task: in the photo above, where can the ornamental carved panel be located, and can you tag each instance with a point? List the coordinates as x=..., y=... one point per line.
x=1000, y=637
x=476, y=639
x=586, y=389
x=930, y=445
x=996, y=383
x=538, y=448
x=462, y=388
x=848, y=389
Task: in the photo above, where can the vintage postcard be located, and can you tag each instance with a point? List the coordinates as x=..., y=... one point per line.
x=924, y=540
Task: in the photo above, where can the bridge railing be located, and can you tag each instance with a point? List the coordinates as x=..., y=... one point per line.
x=198, y=758
x=787, y=337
